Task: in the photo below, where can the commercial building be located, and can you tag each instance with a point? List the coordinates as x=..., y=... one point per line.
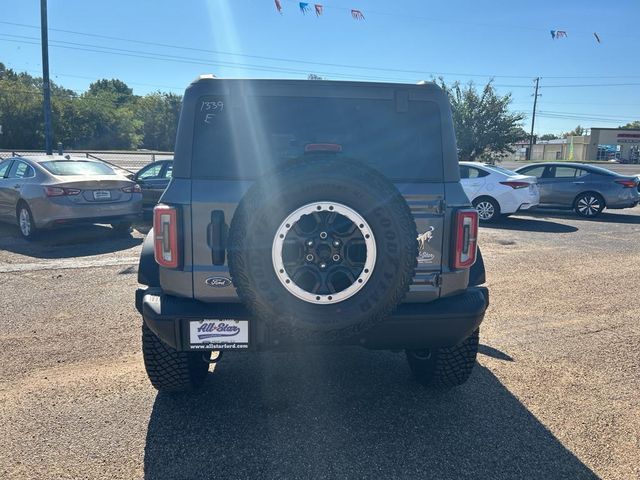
x=601, y=144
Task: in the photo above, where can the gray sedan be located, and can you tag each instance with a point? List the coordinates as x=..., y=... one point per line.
x=48, y=191
x=584, y=188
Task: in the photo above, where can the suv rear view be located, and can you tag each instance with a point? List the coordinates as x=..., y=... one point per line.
x=312, y=213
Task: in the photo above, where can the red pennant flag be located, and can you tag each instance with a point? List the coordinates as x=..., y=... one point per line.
x=357, y=14
x=278, y=6
x=318, y=9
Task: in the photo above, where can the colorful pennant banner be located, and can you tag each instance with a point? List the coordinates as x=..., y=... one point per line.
x=357, y=15
x=305, y=8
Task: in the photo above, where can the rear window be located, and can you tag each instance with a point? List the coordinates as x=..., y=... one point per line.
x=77, y=167
x=496, y=168
x=247, y=140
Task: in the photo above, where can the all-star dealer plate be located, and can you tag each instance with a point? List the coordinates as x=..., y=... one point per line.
x=218, y=334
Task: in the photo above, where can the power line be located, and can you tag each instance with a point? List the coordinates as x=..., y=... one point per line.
x=591, y=115
x=190, y=60
x=307, y=62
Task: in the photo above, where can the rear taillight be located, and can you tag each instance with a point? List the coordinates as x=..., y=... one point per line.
x=135, y=188
x=516, y=184
x=60, y=192
x=465, y=239
x=627, y=183
x=165, y=233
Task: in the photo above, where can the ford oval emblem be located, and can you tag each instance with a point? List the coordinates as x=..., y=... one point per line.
x=218, y=282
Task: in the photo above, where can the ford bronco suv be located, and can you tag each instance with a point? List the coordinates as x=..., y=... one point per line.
x=312, y=213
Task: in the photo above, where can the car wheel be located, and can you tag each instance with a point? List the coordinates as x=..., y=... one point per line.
x=170, y=370
x=488, y=209
x=25, y=222
x=589, y=205
x=445, y=367
x=323, y=248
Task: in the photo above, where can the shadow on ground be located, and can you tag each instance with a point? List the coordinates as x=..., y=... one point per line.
x=347, y=413
x=530, y=225
x=608, y=216
x=68, y=242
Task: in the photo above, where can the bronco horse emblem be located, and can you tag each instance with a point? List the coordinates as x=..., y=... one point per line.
x=425, y=238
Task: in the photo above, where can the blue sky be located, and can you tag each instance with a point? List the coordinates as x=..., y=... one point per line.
x=402, y=41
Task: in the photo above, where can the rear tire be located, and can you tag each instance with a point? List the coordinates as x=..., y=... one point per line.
x=170, y=370
x=445, y=368
x=588, y=205
x=488, y=209
x=26, y=225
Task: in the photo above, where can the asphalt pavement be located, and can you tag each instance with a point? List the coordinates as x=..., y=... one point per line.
x=554, y=394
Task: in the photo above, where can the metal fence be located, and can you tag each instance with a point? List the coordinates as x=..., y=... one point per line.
x=131, y=161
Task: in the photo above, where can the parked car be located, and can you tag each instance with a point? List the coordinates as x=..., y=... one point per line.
x=496, y=191
x=319, y=230
x=43, y=192
x=153, y=180
x=586, y=189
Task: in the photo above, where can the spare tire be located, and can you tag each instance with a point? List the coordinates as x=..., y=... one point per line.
x=325, y=246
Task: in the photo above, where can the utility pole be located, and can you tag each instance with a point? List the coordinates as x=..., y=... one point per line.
x=46, y=86
x=533, y=119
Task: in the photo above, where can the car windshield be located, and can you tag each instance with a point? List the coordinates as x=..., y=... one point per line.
x=245, y=141
x=77, y=167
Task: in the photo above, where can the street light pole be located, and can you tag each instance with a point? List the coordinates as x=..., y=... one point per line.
x=46, y=87
x=533, y=119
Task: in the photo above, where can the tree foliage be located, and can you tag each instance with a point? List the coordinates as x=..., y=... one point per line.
x=107, y=116
x=549, y=136
x=484, y=125
x=576, y=132
x=635, y=125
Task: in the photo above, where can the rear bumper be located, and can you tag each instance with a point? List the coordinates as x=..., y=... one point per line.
x=441, y=323
x=131, y=217
x=49, y=213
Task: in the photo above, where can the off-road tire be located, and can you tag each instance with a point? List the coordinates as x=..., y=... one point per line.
x=170, y=370
x=322, y=179
x=445, y=368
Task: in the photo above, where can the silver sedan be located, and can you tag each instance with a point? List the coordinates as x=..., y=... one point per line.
x=587, y=189
x=49, y=191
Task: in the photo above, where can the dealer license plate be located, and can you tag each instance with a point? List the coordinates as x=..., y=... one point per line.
x=101, y=195
x=218, y=334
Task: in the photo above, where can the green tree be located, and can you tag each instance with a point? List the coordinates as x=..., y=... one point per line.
x=635, y=125
x=159, y=113
x=115, y=89
x=485, y=128
x=576, y=132
x=549, y=136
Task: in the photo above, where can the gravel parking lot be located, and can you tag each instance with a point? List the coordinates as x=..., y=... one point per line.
x=555, y=393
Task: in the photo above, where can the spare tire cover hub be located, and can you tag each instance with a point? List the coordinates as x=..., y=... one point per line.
x=324, y=252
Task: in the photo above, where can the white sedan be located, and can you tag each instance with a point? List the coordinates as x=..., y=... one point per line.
x=496, y=191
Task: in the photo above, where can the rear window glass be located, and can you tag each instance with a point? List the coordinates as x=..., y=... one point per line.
x=259, y=134
x=496, y=168
x=74, y=167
